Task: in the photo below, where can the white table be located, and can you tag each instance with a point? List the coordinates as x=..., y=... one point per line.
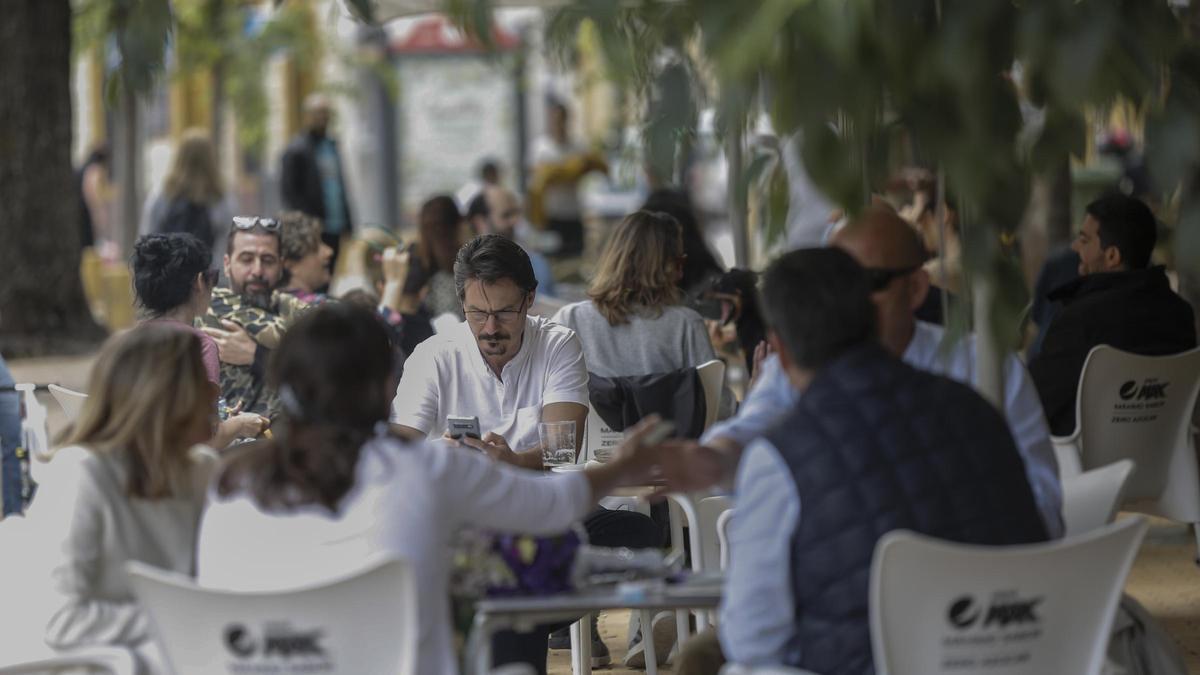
x=525, y=613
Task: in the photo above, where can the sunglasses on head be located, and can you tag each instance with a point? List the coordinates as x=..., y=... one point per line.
x=251, y=222
x=881, y=277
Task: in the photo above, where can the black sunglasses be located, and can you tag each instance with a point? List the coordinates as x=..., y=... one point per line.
x=881, y=277
x=251, y=222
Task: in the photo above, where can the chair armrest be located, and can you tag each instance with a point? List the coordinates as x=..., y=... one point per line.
x=115, y=660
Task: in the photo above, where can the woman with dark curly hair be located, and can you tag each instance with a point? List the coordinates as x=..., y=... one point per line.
x=174, y=283
x=174, y=286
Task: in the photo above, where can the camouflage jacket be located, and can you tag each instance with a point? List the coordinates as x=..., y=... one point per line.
x=248, y=383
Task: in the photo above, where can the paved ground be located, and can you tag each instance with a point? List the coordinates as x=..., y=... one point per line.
x=1164, y=579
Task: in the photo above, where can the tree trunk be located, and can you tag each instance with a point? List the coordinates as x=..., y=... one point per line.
x=42, y=306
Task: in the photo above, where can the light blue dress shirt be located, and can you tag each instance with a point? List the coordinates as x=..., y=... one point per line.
x=773, y=396
x=757, y=612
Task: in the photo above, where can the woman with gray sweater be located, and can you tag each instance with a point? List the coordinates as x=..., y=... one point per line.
x=634, y=323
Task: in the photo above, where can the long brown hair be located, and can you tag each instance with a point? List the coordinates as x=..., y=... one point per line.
x=332, y=372
x=638, y=267
x=194, y=175
x=440, y=227
x=148, y=391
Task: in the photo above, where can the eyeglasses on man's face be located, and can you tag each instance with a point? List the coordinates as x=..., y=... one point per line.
x=881, y=277
x=251, y=222
x=479, y=317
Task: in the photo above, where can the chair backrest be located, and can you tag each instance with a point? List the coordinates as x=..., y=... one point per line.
x=940, y=607
x=35, y=430
x=363, y=623
x=1140, y=407
x=723, y=536
x=712, y=378
x=709, y=512
x=70, y=401
x=1090, y=499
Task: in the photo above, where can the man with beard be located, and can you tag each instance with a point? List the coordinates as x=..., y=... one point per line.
x=247, y=318
x=512, y=371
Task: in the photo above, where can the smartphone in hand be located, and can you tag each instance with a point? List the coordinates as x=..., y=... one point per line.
x=457, y=427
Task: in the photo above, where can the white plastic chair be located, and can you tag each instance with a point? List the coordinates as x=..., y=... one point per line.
x=115, y=660
x=940, y=607
x=1090, y=499
x=365, y=622
x=69, y=400
x=701, y=515
x=35, y=434
x=1140, y=408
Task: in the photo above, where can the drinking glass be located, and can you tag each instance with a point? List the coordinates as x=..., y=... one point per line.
x=558, y=443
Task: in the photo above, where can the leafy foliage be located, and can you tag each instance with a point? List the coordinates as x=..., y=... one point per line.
x=227, y=37
x=990, y=91
x=137, y=31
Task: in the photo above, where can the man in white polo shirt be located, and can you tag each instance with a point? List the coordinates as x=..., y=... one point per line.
x=507, y=368
x=512, y=371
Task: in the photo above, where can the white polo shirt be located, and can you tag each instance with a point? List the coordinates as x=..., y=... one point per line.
x=447, y=376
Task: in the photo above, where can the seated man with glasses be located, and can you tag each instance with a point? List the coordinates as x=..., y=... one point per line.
x=247, y=318
x=891, y=251
x=512, y=371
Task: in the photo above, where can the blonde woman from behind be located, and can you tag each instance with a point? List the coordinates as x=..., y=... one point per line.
x=126, y=483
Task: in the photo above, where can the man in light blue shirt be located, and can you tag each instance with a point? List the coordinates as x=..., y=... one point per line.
x=890, y=250
x=931, y=454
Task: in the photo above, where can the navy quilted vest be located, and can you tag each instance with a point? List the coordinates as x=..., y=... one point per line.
x=875, y=445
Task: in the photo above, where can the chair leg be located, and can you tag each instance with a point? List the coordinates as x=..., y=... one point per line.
x=648, y=642
x=581, y=646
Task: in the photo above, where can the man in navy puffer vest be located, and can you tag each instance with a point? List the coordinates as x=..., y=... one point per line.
x=873, y=445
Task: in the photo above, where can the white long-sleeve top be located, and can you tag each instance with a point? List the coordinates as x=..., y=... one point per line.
x=406, y=502
x=83, y=517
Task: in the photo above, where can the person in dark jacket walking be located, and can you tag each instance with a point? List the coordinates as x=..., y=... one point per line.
x=873, y=445
x=1118, y=300
x=312, y=179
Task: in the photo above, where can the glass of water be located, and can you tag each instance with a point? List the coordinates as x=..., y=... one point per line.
x=558, y=443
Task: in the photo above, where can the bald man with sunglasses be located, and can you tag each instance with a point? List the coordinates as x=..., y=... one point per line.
x=891, y=251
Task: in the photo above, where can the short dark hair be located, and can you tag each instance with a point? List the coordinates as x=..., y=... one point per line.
x=1127, y=223
x=165, y=267
x=478, y=207
x=818, y=301
x=489, y=170
x=257, y=229
x=490, y=258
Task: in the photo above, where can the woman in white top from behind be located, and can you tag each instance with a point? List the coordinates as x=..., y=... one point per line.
x=333, y=489
x=127, y=484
